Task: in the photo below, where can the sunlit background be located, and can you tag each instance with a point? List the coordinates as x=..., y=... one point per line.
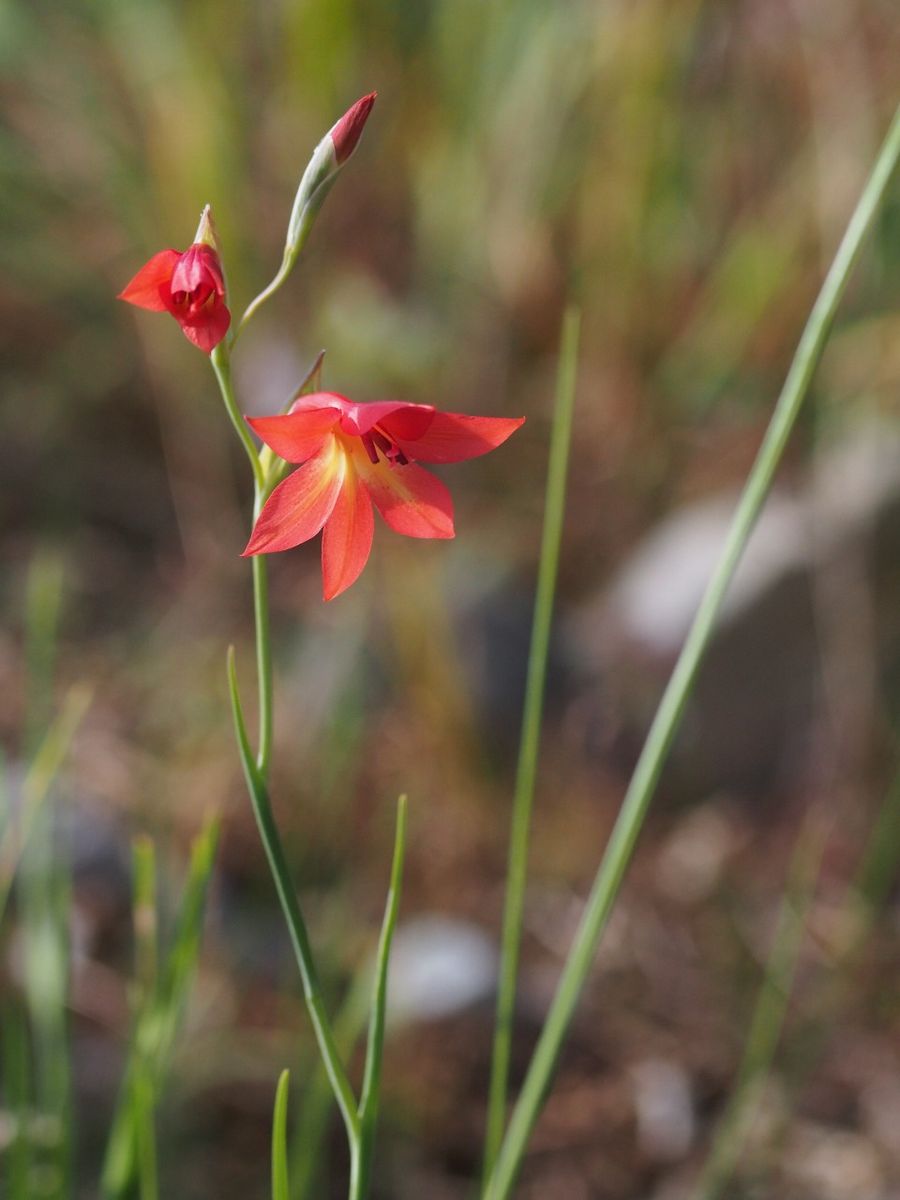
x=682, y=171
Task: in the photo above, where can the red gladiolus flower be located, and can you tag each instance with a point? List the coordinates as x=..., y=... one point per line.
x=355, y=455
x=190, y=286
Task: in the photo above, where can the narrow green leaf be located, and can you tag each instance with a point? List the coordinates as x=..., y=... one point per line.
x=290, y=907
x=312, y=1123
x=145, y=1122
x=39, y=779
x=280, y=1187
x=43, y=602
x=16, y=1072
x=159, y=1004
x=529, y=745
x=368, y=1105
x=145, y=918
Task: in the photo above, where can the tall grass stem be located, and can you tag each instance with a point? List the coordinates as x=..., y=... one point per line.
x=529, y=745
x=665, y=725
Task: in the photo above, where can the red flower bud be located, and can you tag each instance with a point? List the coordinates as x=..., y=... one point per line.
x=346, y=133
x=190, y=286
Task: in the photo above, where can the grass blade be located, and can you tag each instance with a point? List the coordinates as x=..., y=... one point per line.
x=39, y=779
x=280, y=1186
x=368, y=1105
x=529, y=745
x=668, y=717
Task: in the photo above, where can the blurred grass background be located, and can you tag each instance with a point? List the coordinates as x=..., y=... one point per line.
x=680, y=169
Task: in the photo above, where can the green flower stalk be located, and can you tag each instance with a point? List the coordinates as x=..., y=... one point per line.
x=316, y=182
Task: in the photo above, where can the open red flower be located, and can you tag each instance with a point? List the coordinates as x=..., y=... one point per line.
x=355, y=455
x=190, y=286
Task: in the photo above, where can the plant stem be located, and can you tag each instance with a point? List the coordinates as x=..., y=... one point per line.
x=529, y=745
x=256, y=770
x=371, y=1088
x=263, y=660
x=268, y=831
x=221, y=364
x=665, y=725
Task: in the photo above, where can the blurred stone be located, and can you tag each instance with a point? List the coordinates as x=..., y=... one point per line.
x=880, y=1105
x=750, y=721
x=832, y=1164
x=439, y=966
x=693, y=857
x=664, y=1107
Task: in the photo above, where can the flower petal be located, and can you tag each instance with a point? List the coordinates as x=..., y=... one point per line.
x=448, y=437
x=360, y=419
x=295, y=436
x=347, y=538
x=412, y=501
x=152, y=282
x=207, y=330
x=300, y=506
x=199, y=266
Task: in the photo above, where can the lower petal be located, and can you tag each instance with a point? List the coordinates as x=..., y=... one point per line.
x=207, y=331
x=300, y=506
x=347, y=538
x=412, y=501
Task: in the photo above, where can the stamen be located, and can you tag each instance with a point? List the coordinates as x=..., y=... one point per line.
x=389, y=449
x=368, y=442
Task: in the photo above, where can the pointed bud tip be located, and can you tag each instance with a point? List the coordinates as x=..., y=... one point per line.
x=346, y=133
x=206, y=230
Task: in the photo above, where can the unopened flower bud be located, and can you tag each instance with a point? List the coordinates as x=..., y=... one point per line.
x=346, y=133
x=321, y=171
x=328, y=158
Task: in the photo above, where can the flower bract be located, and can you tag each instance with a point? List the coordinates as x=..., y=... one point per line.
x=190, y=286
x=355, y=456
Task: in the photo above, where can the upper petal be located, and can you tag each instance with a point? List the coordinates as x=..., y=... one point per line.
x=298, y=435
x=199, y=266
x=360, y=419
x=449, y=437
x=412, y=501
x=151, y=287
x=300, y=506
x=347, y=538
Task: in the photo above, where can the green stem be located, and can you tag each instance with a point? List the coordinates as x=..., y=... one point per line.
x=662, y=732
x=371, y=1088
x=554, y=510
x=288, y=262
x=312, y=991
x=221, y=364
x=263, y=661
x=256, y=770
